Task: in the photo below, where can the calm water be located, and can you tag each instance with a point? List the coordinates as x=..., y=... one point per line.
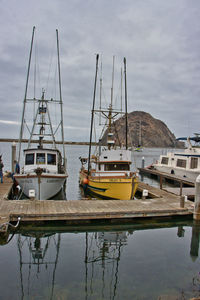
x=140, y=261
x=126, y=262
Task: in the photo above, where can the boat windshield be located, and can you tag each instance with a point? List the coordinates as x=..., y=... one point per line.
x=116, y=167
x=165, y=160
x=29, y=160
x=40, y=158
x=51, y=159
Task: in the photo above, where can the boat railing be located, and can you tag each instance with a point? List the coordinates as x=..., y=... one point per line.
x=110, y=174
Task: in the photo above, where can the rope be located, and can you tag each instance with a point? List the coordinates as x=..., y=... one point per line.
x=8, y=223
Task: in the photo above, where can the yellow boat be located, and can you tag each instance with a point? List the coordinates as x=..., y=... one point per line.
x=108, y=174
x=111, y=188
x=113, y=180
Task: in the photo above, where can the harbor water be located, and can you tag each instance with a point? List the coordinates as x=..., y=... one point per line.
x=151, y=260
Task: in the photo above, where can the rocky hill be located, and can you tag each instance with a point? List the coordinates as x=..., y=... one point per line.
x=145, y=130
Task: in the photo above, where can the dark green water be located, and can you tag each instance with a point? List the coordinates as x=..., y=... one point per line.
x=141, y=261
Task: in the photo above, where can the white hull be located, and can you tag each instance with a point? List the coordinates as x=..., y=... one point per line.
x=45, y=186
x=185, y=174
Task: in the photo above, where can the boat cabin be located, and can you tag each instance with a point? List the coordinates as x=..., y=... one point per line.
x=114, y=160
x=179, y=160
x=47, y=159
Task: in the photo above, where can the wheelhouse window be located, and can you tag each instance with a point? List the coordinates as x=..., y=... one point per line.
x=181, y=163
x=117, y=167
x=40, y=158
x=51, y=159
x=193, y=163
x=29, y=160
x=165, y=160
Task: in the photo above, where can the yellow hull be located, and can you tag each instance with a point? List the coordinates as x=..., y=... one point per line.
x=112, y=188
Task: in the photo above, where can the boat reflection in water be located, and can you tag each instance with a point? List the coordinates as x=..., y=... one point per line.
x=107, y=262
x=35, y=257
x=102, y=258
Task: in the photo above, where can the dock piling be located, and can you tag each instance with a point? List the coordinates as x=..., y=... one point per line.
x=161, y=182
x=181, y=187
x=143, y=162
x=196, y=214
x=182, y=201
x=13, y=157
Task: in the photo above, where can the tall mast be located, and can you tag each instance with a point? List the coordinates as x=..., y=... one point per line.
x=25, y=95
x=111, y=102
x=92, y=118
x=126, y=114
x=100, y=93
x=121, y=88
x=61, y=103
x=140, y=133
x=112, y=81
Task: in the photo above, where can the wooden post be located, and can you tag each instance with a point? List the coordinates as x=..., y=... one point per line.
x=161, y=181
x=181, y=187
x=182, y=201
x=196, y=214
x=143, y=162
x=13, y=156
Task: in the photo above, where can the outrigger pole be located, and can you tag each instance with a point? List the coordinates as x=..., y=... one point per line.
x=92, y=118
x=61, y=103
x=126, y=114
x=25, y=95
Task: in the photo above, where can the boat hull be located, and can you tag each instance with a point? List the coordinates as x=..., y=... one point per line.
x=189, y=174
x=110, y=188
x=45, y=186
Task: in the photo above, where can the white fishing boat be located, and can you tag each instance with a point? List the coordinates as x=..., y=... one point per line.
x=43, y=174
x=185, y=164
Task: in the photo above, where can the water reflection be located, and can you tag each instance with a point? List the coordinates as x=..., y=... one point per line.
x=194, y=247
x=35, y=259
x=109, y=262
x=102, y=255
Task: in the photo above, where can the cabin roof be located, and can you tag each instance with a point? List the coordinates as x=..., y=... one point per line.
x=41, y=150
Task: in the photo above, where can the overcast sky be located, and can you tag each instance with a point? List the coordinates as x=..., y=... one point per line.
x=160, y=40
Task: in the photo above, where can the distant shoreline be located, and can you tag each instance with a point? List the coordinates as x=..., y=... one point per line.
x=4, y=140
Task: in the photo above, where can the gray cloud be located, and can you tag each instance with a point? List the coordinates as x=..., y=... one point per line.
x=159, y=38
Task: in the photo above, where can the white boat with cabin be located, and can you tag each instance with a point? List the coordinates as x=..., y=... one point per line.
x=185, y=164
x=43, y=174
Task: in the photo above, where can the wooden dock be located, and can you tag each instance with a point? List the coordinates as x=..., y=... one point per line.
x=5, y=188
x=161, y=204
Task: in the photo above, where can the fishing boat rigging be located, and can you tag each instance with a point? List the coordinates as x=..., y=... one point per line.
x=44, y=172
x=39, y=264
x=108, y=174
x=103, y=252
